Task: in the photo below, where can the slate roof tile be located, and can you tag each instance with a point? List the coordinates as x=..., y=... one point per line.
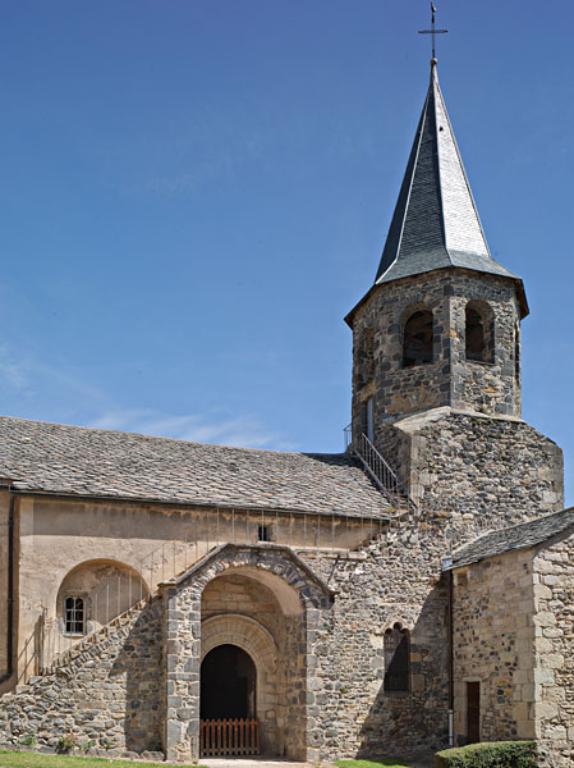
x=70, y=460
x=519, y=536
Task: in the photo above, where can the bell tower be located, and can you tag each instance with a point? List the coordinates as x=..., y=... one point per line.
x=441, y=324
x=436, y=341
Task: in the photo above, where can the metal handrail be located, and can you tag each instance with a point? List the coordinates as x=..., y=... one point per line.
x=378, y=468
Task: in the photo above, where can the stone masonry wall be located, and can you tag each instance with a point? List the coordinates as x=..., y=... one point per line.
x=397, y=578
x=493, y=630
x=554, y=642
x=479, y=472
x=106, y=695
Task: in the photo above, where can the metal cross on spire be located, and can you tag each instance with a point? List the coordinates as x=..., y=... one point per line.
x=434, y=32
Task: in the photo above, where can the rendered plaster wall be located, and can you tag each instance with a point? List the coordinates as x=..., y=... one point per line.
x=4, y=540
x=554, y=643
x=494, y=644
x=450, y=379
x=151, y=542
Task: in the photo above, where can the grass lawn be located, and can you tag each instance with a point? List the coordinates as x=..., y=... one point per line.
x=370, y=764
x=35, y=760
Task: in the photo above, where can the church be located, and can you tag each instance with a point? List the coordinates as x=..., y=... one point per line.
x=415, y=591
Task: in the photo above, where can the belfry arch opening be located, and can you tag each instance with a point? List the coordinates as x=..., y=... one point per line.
x=479, y=332
x=228, y=684
x=418, y=338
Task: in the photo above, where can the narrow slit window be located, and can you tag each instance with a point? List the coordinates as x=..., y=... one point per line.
x=369, y=419
x=74, y=616
x=517, y=353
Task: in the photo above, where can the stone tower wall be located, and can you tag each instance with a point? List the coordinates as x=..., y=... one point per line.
x=491, y=388
x=554, y=647
x=4, y=581
x=479, y=472
x=495, y=646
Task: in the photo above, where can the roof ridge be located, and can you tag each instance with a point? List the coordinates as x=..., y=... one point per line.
x=151, y=437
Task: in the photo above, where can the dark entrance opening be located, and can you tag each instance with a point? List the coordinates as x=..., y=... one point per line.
x=228, y=680
x=473, y=712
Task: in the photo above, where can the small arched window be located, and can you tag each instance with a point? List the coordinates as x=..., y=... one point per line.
x=479, y=332
x=418, y=339
x=397, y=659
x=74, y=615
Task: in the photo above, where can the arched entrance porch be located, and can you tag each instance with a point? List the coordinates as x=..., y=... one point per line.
x=267, y=602
x=261, y=615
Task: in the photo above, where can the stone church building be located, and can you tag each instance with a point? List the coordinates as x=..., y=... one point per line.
x=413, y=591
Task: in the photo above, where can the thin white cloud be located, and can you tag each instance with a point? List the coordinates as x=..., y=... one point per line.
x=66, y=395
x=244, y=431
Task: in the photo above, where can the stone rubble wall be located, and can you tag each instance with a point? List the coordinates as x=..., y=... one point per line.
x=480, y=472
x=106, y=695
x=554, y=643
x=397, y=578
x=493, y=631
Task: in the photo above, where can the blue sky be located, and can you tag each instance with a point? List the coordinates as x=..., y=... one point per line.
x=195, y=192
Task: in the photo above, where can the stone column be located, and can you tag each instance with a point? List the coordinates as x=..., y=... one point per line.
x=182, y=659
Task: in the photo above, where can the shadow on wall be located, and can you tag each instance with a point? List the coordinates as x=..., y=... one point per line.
x=137, y=675
x=401, y=723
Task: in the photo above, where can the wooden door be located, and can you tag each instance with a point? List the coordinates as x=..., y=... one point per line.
x=473, y=712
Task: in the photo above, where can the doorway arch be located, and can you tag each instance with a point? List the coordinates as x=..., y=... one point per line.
x=228, y=684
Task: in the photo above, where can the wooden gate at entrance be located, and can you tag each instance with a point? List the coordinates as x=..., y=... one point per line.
x=232, y=737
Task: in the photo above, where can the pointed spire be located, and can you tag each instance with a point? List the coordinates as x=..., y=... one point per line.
x=436, y=224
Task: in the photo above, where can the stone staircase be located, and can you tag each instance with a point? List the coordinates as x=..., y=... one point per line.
x=103, y=690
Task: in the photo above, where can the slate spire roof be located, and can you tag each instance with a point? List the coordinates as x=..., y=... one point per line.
x=436, y=223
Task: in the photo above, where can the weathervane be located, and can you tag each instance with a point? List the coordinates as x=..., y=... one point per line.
x=433, y=31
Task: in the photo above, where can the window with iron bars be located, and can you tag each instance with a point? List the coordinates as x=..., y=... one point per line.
x=263, y=533
x=74, y=616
